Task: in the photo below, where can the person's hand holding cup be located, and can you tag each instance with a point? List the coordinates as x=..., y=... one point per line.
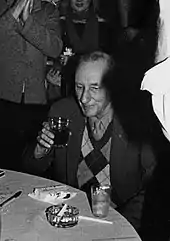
x=55, y=133
x=45, y=141
x=60, y=128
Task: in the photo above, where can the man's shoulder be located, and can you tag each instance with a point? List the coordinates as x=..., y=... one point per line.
x=65, y=107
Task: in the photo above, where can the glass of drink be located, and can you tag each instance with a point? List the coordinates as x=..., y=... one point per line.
x=60, y=127
x=100, y=197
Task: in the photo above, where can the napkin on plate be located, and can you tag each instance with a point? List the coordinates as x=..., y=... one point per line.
x=52, y=194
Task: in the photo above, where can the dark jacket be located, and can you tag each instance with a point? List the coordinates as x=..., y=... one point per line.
x=99, y=36
x=23, y=51
x=129, y=164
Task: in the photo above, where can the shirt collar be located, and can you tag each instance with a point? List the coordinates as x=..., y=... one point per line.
x=105, y=119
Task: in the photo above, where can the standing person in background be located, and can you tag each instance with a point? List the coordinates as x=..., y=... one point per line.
x=83, y=31
x=156, y=82
x=137, y=37
x=29, y=31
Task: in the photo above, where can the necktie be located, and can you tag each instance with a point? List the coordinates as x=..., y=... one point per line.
x=97, y=130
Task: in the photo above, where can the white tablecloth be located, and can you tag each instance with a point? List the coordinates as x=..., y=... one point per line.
x=24, y=219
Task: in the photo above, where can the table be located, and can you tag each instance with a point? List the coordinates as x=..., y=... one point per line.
x=24, y=220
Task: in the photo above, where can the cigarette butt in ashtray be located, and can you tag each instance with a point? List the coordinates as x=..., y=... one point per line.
x=62, y=211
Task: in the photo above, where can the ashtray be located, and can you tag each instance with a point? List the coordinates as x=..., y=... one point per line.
x=69, y=218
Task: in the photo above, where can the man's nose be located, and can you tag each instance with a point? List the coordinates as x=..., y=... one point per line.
x=85, y=98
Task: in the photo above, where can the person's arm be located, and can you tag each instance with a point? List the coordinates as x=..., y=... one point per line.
x=18, y=19
x=9, y=21
x=33, y=165
x=38, y=157
x=45, y=35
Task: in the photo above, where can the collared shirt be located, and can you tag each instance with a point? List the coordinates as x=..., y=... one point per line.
x=99, y=125
x=94, y=166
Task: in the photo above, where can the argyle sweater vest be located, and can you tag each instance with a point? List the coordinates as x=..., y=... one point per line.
x=94, y=167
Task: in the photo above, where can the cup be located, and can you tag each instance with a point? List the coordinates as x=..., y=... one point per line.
x=60, y=128
x=100, y=197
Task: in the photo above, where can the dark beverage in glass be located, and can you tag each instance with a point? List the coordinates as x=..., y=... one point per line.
x=60, y=127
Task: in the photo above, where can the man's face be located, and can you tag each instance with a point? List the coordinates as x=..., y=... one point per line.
x=80, y=5
x=91, y=95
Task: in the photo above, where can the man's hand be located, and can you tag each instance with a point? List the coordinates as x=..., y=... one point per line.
x=27, y=10
x=54, y=77
x=45, y=141
x=18, y=8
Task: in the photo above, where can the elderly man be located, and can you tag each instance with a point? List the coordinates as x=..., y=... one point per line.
x=29, y=33
x=98, y=150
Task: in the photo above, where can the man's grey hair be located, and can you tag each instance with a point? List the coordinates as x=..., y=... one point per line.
x=97, y=56
x=109, y=72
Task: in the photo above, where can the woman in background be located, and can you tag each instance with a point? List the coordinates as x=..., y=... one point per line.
x=83, y=31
